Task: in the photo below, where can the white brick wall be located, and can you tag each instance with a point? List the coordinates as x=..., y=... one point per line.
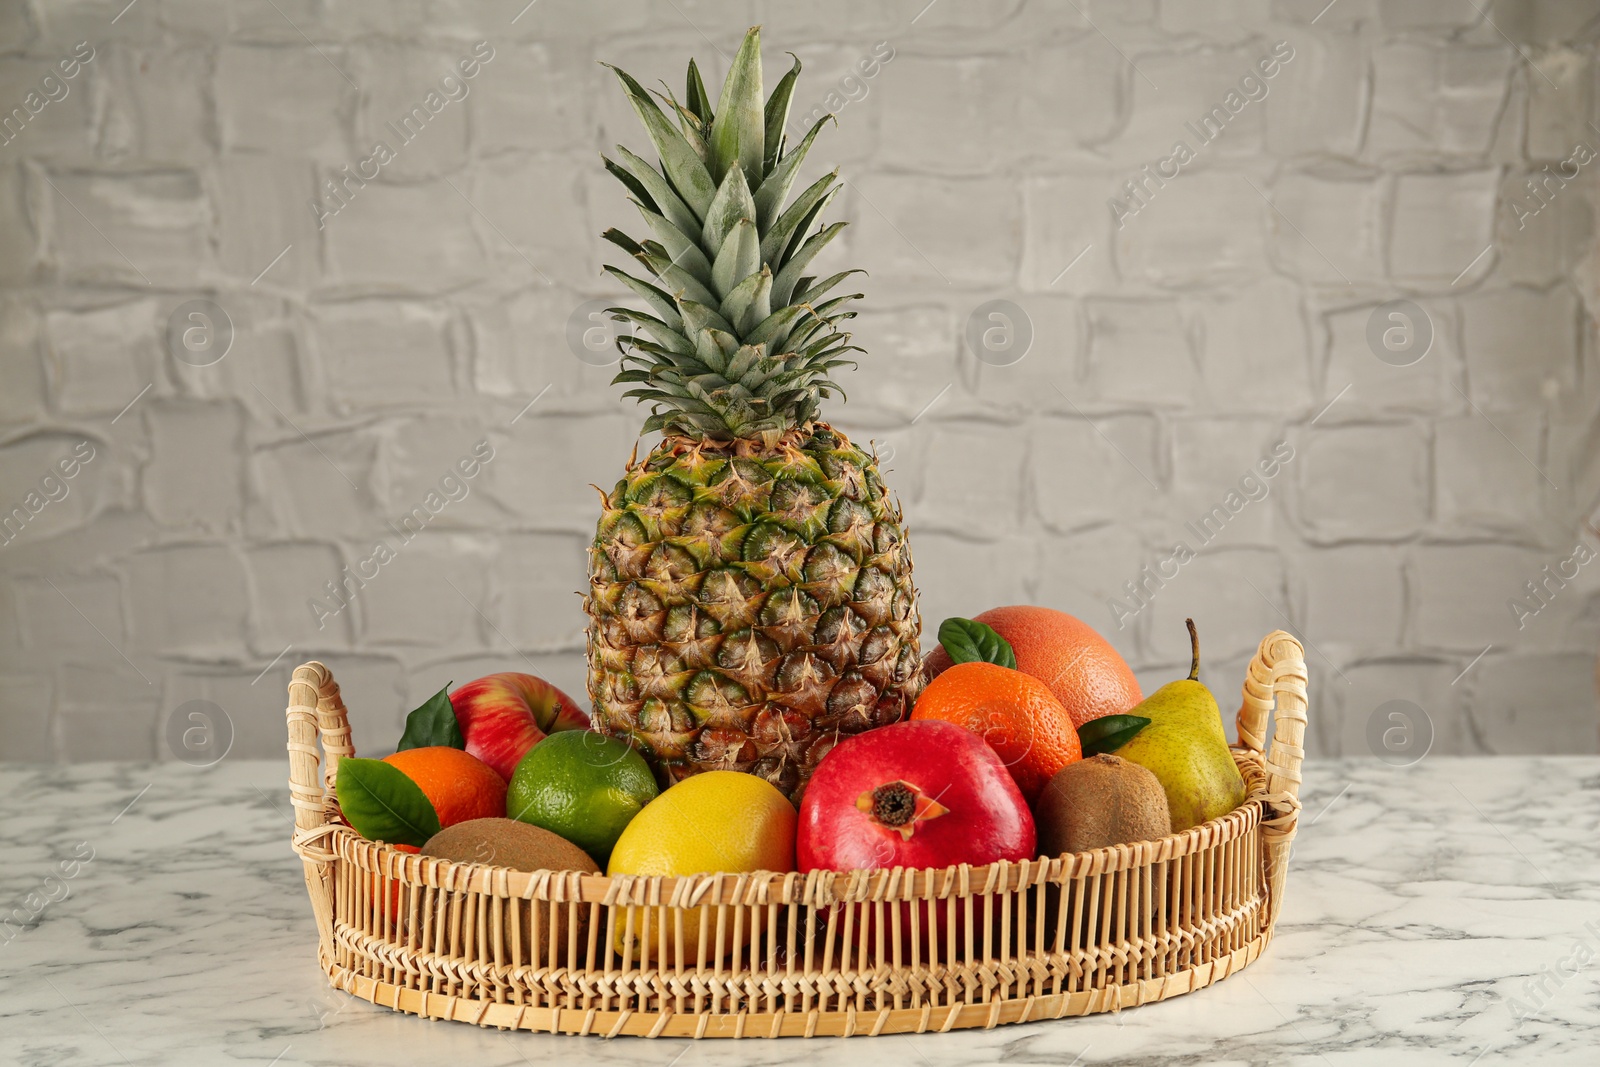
x=374, y=349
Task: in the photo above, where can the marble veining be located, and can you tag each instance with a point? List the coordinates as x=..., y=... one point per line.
x=1443, y=913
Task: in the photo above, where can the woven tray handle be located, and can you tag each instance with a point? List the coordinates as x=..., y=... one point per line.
x=1276, y=682
x=316, y=709
x=1276, y=685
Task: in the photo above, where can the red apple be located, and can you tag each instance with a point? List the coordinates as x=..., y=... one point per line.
x=503, y=715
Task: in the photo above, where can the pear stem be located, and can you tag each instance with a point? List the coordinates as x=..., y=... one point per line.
x=1194, y=646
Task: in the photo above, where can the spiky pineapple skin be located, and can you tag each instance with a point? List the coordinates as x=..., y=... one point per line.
x=750, y=606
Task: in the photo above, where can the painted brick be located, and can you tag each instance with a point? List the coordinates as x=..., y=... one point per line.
x=1521, y=346
x=1077, y=94
x=1558, y=115
x=1215, y=590
x=1318, y=102
x=1462, y=593
x=415, y=101
x=1486, y=478
x=1182, y=88
x=25, y=717
x=284, y=577
x=988, y=501
x=1521, y=703
x=1544, y=228
x=537, y=581
x=101, y=358
x=196, y=478
x=556, y=496
x=1172, y=242
x=61, y=126
x=547, y=243
x=1355, y=697
x=1351, y=596
x=960, y=112
x=932, y=230
x=1140, y=352
x=417, y=236
x=288, y=101
x=1084, y=473
x=957, y=576
x=80, y=612
x=1429, y=385
x=248, y=711
x=313, y=486
x=430, y=594
x=40, y=502
x=1427, y=98
x=1255, y=349
x=143, y=222
x=171, y=123
x=1068, y=238
x=105, y=711
x=439, y=463
x=384, y=352
x=1364, y=481
x=532, y=97
x=164, y=587
x=1442, y=223
x=911, y=355
x=1331, y=226
x=264, y=211
x=21, y=328
x=1222, y=463
x=17, y=230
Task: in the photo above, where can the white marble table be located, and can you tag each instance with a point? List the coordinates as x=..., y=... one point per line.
x=1427, y=909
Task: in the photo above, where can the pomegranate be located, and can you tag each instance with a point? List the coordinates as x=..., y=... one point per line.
x=913, y=794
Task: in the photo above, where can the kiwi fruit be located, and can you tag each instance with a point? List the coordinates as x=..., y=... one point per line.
x=509, y=843
x=1099, y=801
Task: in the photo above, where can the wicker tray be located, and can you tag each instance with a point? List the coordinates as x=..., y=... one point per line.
x=803, y=954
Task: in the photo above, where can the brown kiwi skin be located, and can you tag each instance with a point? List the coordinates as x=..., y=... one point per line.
x=1099, y=801
x=509, y=843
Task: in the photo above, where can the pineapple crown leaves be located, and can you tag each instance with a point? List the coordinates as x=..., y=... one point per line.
x=739, y=340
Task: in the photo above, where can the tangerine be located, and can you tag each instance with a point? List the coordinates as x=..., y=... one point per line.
x=458, y=784
x=1081, y=668
x=1015, y=713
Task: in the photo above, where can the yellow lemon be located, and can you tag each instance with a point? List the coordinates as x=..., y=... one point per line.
x=715, y=821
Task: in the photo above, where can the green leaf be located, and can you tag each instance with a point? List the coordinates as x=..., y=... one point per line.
x=739, y=257
x=783, y=284
x=738, y=126
x=679, y=247
x=662, y=195
x=777, y=116
x=1109, y=732
x=966, y=641
x=664, y=305
x=434, y=723
x=774, y=187
x=695, y=95
x=794, y=218
x=681, y=162
x=732, y=203
x=382, y=804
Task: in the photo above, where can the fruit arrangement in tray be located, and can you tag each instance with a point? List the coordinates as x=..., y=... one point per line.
x=1011, y=751
x=779, y=817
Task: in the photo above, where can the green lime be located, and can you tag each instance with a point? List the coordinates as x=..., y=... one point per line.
x=584, y=786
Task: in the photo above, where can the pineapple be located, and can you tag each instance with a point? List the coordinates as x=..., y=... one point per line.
x=750, y=598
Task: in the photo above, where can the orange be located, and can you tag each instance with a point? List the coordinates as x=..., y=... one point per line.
x=1081, y=668
x=1016, y=713
x=460, y=785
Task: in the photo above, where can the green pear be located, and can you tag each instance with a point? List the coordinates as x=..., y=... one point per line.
x=1186, y=749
